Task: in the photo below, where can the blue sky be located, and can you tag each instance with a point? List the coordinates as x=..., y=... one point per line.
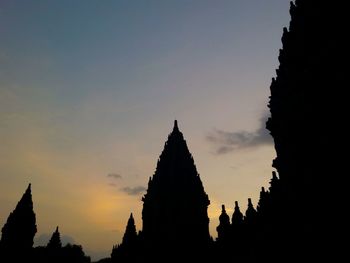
x=91, y=88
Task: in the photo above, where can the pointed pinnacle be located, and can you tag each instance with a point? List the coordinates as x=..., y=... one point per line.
x=175, y=125
x=223, y=208
x=29, y=189
x=250, y=202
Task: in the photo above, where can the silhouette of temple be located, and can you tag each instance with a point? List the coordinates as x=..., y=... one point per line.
x=307, y=118
x=55, y=240
x=293, y=221
x=19, y=230
x=175, y=205
x=17, y=239
x=298, y=218
x=174, y=215
x=224, y=228
x=130, y=248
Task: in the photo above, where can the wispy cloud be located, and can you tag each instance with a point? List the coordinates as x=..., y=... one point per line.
x=226, y=142
x=133, y=190
x=115, y=176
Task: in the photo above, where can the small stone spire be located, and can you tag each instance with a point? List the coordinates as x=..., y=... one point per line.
x=130, y=234
x=224, y=218
x=263, y=200
x=224, y=227
x=55, y=241
x=237, y=217
x=250, y=204
x=250, y=212
x=223, y=210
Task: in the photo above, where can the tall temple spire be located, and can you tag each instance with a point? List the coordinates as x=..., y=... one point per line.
x=175, y=205
x=20, y=228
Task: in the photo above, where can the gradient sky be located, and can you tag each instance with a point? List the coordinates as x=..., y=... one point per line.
x=89, y=91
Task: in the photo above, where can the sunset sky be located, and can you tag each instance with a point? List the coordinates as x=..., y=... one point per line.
x=89, y=91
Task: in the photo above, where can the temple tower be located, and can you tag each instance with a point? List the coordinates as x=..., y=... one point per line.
x=175, y=206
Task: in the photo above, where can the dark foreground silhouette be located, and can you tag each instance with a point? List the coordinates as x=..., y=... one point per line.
x=174, y=215
x=17, y=239
x=300, y=218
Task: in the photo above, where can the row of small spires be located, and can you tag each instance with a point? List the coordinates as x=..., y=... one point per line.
x=250, y=209
x=223, y=210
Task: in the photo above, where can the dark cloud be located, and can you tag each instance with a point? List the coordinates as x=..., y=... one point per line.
x=225, y=142
x=112, y=184
x=115, y=176
x=133, y=190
